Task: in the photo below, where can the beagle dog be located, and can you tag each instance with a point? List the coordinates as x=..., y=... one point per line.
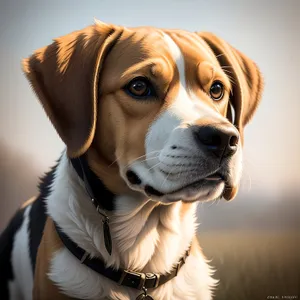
x=153, y=123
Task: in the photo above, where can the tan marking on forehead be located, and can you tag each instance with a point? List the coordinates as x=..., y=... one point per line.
x=192, y=46
x=201, y=68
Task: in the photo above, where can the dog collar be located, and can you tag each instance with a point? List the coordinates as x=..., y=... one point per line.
x=124, y=277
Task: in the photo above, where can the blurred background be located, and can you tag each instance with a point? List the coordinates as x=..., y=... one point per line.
x=254, y=240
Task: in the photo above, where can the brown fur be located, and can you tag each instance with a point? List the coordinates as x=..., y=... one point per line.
x=62, y=73
x=79, y=80
x=28, y=202
x=43, y=288
x=65, y=77
x=248, y=82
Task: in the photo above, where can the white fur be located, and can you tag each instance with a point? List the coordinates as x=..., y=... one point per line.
x=146, y=236
x=172, y=128
x=14, y=290
x=23, y=282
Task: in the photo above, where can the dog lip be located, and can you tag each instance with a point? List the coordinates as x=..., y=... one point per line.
x=150, y=191
x=194, y=192
x=214, y=177
x=133, y=178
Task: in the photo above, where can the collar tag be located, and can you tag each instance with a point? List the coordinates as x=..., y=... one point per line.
x=107, y=235
x=105, y=222
x=144, y=295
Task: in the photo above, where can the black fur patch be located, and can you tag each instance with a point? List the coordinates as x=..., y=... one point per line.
x=37, y=220
x=38, y=216
x=6, y=246
x=95, y=187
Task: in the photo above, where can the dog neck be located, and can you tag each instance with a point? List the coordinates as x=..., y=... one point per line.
x=146, y=235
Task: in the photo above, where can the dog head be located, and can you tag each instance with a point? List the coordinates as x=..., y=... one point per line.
x=159, y=111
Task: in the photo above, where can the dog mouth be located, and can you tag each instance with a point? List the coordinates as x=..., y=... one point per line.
x=203, y=189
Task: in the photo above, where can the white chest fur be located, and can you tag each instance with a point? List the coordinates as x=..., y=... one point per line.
x=146, y=237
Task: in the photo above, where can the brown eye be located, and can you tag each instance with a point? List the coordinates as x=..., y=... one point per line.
x=139, y=87
x=217, y=91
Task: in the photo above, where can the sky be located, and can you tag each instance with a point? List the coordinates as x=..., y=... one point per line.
x=266, y=31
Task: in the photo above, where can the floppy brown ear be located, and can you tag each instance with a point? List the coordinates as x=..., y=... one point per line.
x=248, y=83
x=65, y=75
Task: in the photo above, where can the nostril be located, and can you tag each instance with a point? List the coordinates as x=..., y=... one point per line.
x=173, y=147
x=233, y=141
x=133, y=178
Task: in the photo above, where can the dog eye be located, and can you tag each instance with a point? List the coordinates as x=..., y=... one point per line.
x=139, y=87
x=217, y=90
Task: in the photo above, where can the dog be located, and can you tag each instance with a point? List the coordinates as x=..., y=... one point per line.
x=153, y=122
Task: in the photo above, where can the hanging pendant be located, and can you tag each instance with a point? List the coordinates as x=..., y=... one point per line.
x=106, y=231
x=144, y=296
x=107, y=236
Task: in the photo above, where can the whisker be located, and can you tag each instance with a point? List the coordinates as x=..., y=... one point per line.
x=155, y=157
x=184, y=156
x=180, y=171
x=212, y=203
x=142, y=157
x=166, y=178
x=219, y=55
x=231, y=81
x=227, y=72
x=250, y=183
x=154, y=166
x=229, y=76
x=116, y=160
x=146, y=154
x=227, y=67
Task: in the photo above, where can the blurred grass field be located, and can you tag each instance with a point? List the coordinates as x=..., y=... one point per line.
x=254, y=265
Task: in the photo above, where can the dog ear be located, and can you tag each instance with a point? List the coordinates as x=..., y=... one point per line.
x=65, y=76
x=247, y=80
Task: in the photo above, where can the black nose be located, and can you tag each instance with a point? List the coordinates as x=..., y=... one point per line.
x=220, y=140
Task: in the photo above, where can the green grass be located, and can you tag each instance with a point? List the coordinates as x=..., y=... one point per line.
x=254, y=265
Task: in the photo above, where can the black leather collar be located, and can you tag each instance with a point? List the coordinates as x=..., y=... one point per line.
x=96, y=190
x=123, y=277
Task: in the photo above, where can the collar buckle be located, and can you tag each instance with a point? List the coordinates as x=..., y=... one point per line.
x=132, y=279
x=153, y=276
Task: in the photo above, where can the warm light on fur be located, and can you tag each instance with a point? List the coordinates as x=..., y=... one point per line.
x=79, y=79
